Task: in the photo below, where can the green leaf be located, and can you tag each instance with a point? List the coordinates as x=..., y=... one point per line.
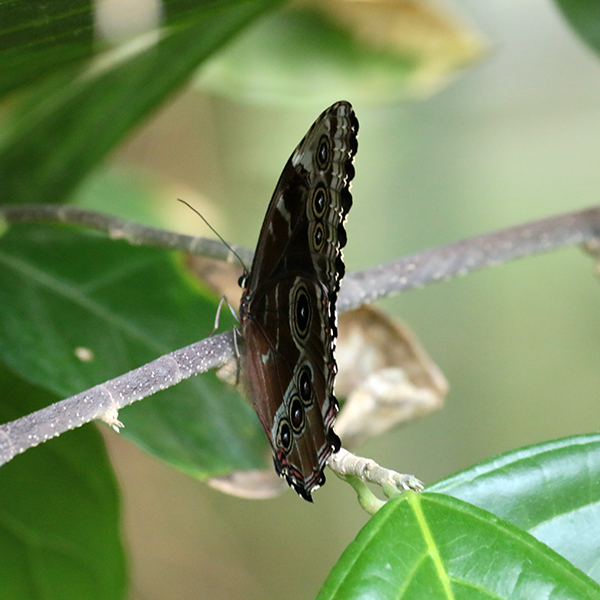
x=317, y=54
x=59, y=512
x=36, y=38
x=64, y=291
x=584, y=17
x=434, y=546
x=551, y=490
x=73, y=121
x=280, y=59
x=41, y=39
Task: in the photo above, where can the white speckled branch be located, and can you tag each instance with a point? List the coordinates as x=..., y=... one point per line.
x=105, y=400
x=441, y=263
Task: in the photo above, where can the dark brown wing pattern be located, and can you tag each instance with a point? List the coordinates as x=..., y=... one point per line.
x=288, y=308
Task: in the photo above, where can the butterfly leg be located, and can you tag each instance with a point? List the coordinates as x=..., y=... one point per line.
x=236, y=349
x=218, y=314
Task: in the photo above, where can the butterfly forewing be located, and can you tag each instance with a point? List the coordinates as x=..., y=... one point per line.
x=288, y=312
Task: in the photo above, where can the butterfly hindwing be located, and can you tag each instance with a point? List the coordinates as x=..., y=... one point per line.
x=288, y=309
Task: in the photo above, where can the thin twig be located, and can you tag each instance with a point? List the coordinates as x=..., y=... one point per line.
x=121, y=229
x=359, y=471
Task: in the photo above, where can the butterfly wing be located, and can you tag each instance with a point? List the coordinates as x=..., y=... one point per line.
x=288, y=309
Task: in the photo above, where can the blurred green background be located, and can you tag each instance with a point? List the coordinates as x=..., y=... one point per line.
x=514, y=138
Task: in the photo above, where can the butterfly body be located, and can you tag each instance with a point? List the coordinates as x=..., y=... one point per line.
x=288, y=308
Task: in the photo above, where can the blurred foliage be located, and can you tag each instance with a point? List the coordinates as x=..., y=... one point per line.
x=584, y=17
x=313, y=53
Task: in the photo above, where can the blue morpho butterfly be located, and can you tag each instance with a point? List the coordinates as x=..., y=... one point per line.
x=288, y=308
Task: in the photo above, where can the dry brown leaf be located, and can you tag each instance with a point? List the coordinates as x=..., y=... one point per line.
x=385, y=374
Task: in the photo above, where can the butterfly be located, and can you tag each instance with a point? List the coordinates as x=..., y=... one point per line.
x=288, y=312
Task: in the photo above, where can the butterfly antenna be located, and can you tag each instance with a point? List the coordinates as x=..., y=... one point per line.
x=217, y=234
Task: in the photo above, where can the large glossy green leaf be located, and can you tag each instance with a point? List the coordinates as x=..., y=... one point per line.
x=551, y=490
x=584, y=17
x=75, y=119
x=432, y=546
x=59, y=512
x=62, y=290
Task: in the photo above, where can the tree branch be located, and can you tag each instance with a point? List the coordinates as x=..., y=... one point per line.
x=459, y=258
x=105, y=400
x=441, y=263
x=121, y=229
